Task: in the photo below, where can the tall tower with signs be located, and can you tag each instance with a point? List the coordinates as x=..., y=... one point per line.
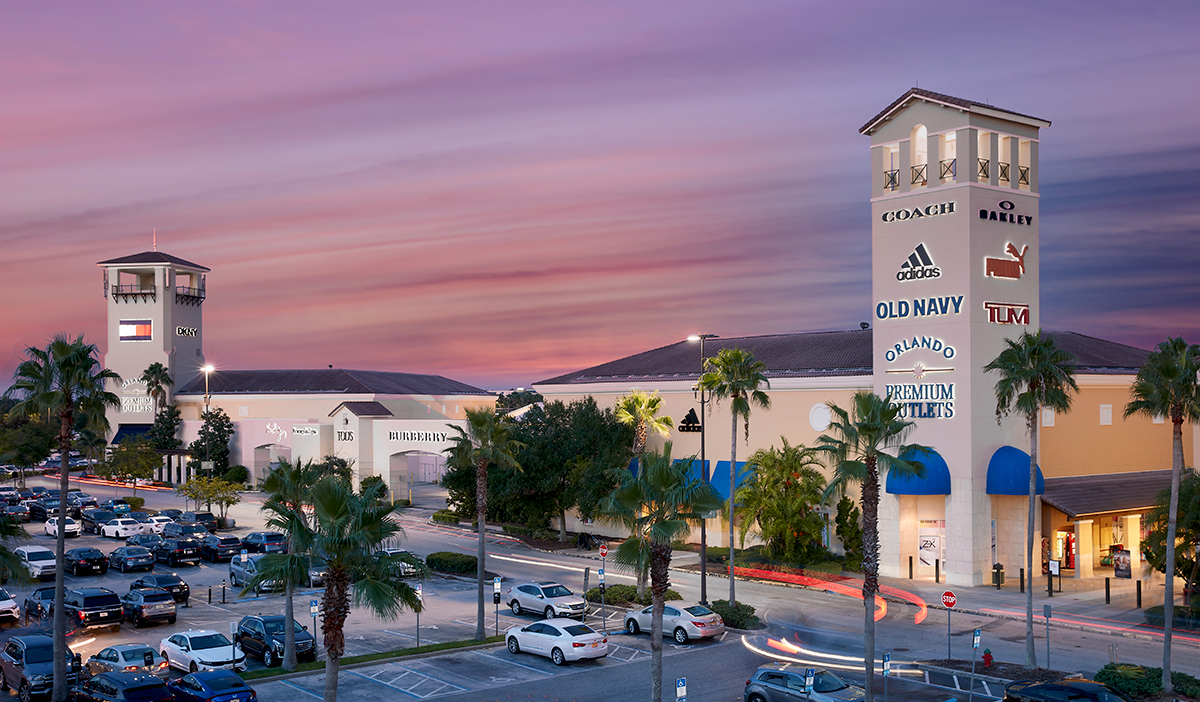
x=954, y=205
x=154, y=316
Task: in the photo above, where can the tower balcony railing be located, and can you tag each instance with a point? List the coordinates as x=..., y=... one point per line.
x=949, y=169
x=891, y=179
x=189, y=296
x=984, y=168
x=1023, y=175
x=127, y=292
x=919, y=174
x=1003, y=175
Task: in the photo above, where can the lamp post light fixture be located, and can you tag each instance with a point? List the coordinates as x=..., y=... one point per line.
x=208, y=369
x=703, y=472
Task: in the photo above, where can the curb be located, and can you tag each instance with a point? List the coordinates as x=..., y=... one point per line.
x=979, y=676
x=352, y=666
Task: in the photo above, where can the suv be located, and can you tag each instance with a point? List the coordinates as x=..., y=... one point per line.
x=775, y=682
x=204, y=519
x=80, y=501
x=27, y=665
x=178, y=530
x=93, y=519
x=265, y=542
x=219, y=548
x=548, y=597
x=91, y=607
x=164, y=581
x=1072, y=689
x=262, y=635
x=41, y=509
x=240, y=573
x=142, y=605
x=39, y=560
x=117, y=505
x=175, y=550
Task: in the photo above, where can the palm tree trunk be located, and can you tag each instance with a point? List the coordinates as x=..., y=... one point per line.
x=59, y=691
x=643, y=568
x=732, y=481
x=481, y=518
x=1030, y=652
x=660, y=565
x=335, y=608
x=870, y=512
x=1169, y=564
x=331, y=677
x=289, y=629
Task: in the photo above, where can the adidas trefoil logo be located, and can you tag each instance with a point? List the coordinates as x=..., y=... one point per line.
x=918, y=266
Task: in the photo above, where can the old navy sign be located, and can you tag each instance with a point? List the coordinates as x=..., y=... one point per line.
x=428, y=436
x=919, y=342
x=1007, y=313
x=1006, y=215
x=942, y=208
x=919, y=307
x=923, y=400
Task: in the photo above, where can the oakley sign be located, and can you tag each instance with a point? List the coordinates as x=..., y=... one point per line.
x=1006, y=215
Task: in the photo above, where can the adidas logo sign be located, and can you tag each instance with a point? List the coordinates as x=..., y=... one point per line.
x=918, y=266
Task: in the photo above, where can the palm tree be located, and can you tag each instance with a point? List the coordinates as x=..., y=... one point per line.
x=658, y=506
x=639, y=409
x=780, y=498
x=63, y=380
x=1034, y=374
x=157, y=379
x=734, y=374
x=857, y=446
x=89, y=443
x=287, y=488
x=1166, y=386
x=485, y=442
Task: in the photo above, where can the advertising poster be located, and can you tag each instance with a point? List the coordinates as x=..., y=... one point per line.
x=1121, y=563
x=929, y=541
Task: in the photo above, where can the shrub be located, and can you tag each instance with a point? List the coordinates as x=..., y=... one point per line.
x=626, y=595
x=1137, y=681
x=445, y=516
x=136, y=503
x=1185, y=617
x=404, y=502
x=456, y=563
x=237, y=474
x=739, y=617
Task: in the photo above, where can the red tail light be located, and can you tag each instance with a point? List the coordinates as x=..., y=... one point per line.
x=605, y=640
x=162, y=665
x=81, y=616
x=576, y=644
x=131, y=667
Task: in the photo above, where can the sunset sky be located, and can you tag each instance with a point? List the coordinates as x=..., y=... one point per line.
x=501, y=192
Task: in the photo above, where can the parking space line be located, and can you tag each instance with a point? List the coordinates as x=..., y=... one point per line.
x=417, y=672
x=297, y=687
x=397, y=689
x=407, y=636
x=519, y=665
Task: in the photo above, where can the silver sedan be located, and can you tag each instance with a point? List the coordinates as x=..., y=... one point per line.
x=558, y=639
x=127, y=658
x=679, y=622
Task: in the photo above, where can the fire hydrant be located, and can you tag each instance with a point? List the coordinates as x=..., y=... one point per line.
x=987, y=658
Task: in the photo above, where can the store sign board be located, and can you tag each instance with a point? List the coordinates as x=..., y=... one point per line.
x=903, y=215
x=919, y=307
x=1010, y=268
x=305, y=430
x=1007, y=313
x=919, y=342
x=923, y=400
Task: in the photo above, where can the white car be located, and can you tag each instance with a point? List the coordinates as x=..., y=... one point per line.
x=156, y=524
x=9, y=609
x=121, y=528
x=548, y=599
x=681, y=623
x=70, y=527
x=39, y=560
x=559, y=640
x=202, y=650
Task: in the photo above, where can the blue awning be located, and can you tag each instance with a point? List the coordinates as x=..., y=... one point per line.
x=935, y=482
x=1008, y=473
x=130, y=432
x=720, y=477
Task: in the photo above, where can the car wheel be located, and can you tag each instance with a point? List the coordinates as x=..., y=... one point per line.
x=268, y=657
x=74, y=570
x=516, y=607
x=681, y=636
x=192, y=667
x=233, y=579
x=104, y=570
x=114, y=629
x=137, y=622
x=513, y=646
x=632, y=627
x=557, y=656
x=26, y=694
x=756, y=698
x=3, y=682
x=122, y=566
x=549, y=612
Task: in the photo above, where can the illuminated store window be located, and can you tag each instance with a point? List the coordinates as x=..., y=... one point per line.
x=1105, y=415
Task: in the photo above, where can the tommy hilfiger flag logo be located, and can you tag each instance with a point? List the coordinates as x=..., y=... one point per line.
x=135, y=330
x=918, y=266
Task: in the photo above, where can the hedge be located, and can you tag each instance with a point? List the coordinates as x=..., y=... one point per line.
x=1185, y=617
x=136, y=503
x=449, y=562
x=740, y=616
x=1137, y=681
x=625, y=595
x=445, y=516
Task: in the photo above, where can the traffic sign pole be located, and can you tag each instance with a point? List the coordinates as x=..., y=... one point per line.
x=974, y=648
x=496, y=601
x=887, y=671
x=418, y=588
x=949, y=600
x=603, y=610
x=680, y=689
x=312, y=609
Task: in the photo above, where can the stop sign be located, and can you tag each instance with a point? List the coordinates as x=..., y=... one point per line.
x=603, y=550
x=949, y=599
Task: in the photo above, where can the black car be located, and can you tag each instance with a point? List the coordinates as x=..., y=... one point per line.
x=205, y=519
x=122, y=687
x=43, y=508
x=162, y=581
x=37, y=490
x=91, y=607
x=1073, y=689
x=215, y=548
x=177, y=530
x=23, y=495
x=144, y=605
x=27, y=665
x=17, y=513
x=93, y=519
x=172, y=513
x=262, y=635
x=86, y=560
x=129, y=558
x=176, y=550
x=38, y=603
x=80, y=502
x=265, y=542
x=144, y=540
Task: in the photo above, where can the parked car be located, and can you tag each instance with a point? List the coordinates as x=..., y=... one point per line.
x=148, y=541
x=682, y=623
x=121, y=528
x=164, y=581
x=215, y=548
x=134, y=657
x=201, y=650
x=205, y=519
x=172, y=513
x=157, y=522
x=23, y=495
x=141, y=518
x=43, y=508
x=38, y=490
x=85, y=560
x=240, y=573
x=265, y=542
x=316, y=571
x=38, y=560
x=560, y=641
x=774, y=682
x=177, y=530
x=1073, y=689
x=261, y=635
x=10, y=495
x=129, y=558
x=143, y=605
x=92, y=607
x=27, y=665
x=9, y=611
x=93, y=519
x=70, y=527
x=38, y=603
x=117, y=505
x=17, y=513
x=122, y=687
x=211, y=685
x=174, y=551
x=548, y=598
x=402, y=563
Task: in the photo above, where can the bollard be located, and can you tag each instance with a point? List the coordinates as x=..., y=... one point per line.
x=910, y=572
x=937, y=570
x=1139, y=594
x=222, y=592
x=1107, y=591
x=1022, y=581
x=1049, y=584
x=210, y=594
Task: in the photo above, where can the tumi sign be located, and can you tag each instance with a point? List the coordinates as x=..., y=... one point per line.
x=1007, y=313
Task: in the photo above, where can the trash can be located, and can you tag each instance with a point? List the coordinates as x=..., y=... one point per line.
x=997, y=575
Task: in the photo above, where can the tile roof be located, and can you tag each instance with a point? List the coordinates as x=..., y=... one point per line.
x=152, y=257
x=819, y=354
x=364, y=409
x=326, y=381
x=937, y=97
x=1078, y=496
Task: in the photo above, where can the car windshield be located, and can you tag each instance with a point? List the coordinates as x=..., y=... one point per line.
x=39, y=654
x=117, y=503
x=826, y=681
x=148, y=688
x=101, y=515
x=556, y=591
x=41, y=556
x=209, y=641
x=136, y=551
x=137, y=654
x=579, y=629
x=228, y=681
x=4, y=594
x=276, y=626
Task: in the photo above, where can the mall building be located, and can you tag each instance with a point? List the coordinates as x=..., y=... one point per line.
x=955, y=272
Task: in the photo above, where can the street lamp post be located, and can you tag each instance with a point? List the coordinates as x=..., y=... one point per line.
x=704, y=472
x=207, y=437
